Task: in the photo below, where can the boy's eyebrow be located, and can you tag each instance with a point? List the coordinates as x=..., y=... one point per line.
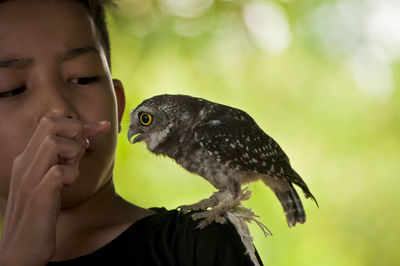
x=16, y=62
x=78, y=51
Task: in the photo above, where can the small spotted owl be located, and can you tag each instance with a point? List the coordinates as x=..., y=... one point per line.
x=222, y=144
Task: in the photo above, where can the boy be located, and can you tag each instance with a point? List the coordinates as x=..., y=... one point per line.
x=60, y=113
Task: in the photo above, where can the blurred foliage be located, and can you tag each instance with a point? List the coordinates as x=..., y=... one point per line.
x=337, y=118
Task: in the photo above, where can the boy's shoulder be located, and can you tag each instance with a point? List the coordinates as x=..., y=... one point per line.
x=170, y=237
x=176, y=239
x=181, y=226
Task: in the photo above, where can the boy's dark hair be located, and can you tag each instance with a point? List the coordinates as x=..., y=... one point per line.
x=97, y=12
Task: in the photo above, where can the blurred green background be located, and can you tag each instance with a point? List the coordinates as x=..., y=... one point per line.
x=321, y=77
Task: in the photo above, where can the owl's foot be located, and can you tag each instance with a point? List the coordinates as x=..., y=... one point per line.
x=223, y=202
x=216, y=207
x=208, y=217
x=202, y=205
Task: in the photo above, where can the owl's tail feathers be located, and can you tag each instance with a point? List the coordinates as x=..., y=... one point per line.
x=291, y=204
x=308, y=194
x=298, y=181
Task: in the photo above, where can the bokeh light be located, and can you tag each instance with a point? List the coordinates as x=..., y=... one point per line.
x=368, y=33
x=268, y=25
x=186, y=9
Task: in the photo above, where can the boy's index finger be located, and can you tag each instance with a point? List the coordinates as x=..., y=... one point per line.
x=92, y=130
x=63, y=127
x=56, y=126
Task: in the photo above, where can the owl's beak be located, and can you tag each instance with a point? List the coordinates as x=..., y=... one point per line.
x=131, y=133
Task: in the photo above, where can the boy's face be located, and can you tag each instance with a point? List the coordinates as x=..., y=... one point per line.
x=52, y=63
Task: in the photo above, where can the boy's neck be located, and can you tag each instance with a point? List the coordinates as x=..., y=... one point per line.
x=93, y=224
x=87, y=212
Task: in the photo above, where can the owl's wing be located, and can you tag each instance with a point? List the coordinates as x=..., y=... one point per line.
x=243, y=145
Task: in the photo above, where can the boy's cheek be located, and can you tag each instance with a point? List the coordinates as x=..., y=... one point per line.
x=13, y=143
x=7, y=157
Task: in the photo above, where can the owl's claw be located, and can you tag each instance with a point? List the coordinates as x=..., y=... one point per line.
x=200, y=215
x=192, y=207
x=202, y=205
x=216, y=207
x=207, y=218
x=183, y=208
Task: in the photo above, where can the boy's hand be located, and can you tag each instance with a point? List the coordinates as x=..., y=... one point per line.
x=49, y=163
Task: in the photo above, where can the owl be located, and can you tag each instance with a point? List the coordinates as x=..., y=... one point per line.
x=222, y=144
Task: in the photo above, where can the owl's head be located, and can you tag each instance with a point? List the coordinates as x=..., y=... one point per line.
x=163, y=116
x=149, y=123
x=154, y=119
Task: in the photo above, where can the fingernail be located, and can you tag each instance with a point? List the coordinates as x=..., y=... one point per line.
x=102, y=123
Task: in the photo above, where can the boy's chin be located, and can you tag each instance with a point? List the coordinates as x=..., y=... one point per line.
x=76, y=194
x=90, y=182
x=71, y=198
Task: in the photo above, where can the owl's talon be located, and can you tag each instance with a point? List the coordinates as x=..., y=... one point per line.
x=220, y=219
x=206, y=221
x=201, y=225
x=208, y=217
x=188, y=208
x=200, y=215
x=183, y=208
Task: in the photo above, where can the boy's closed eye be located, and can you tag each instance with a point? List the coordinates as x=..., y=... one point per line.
x=13, y=92
x=84, y=80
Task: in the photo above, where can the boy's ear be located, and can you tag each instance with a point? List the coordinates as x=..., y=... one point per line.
x=119, y=92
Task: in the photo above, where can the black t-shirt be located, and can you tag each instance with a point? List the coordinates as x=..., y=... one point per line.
x=169, y=238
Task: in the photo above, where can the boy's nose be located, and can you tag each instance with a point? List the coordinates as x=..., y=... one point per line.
x=58, y=103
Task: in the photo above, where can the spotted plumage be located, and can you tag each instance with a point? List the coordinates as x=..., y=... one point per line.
x=222, y=144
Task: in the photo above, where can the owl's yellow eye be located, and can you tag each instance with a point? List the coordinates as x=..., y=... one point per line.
x=145, y=119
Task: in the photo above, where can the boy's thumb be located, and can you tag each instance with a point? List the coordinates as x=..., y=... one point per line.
x=96, y=129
